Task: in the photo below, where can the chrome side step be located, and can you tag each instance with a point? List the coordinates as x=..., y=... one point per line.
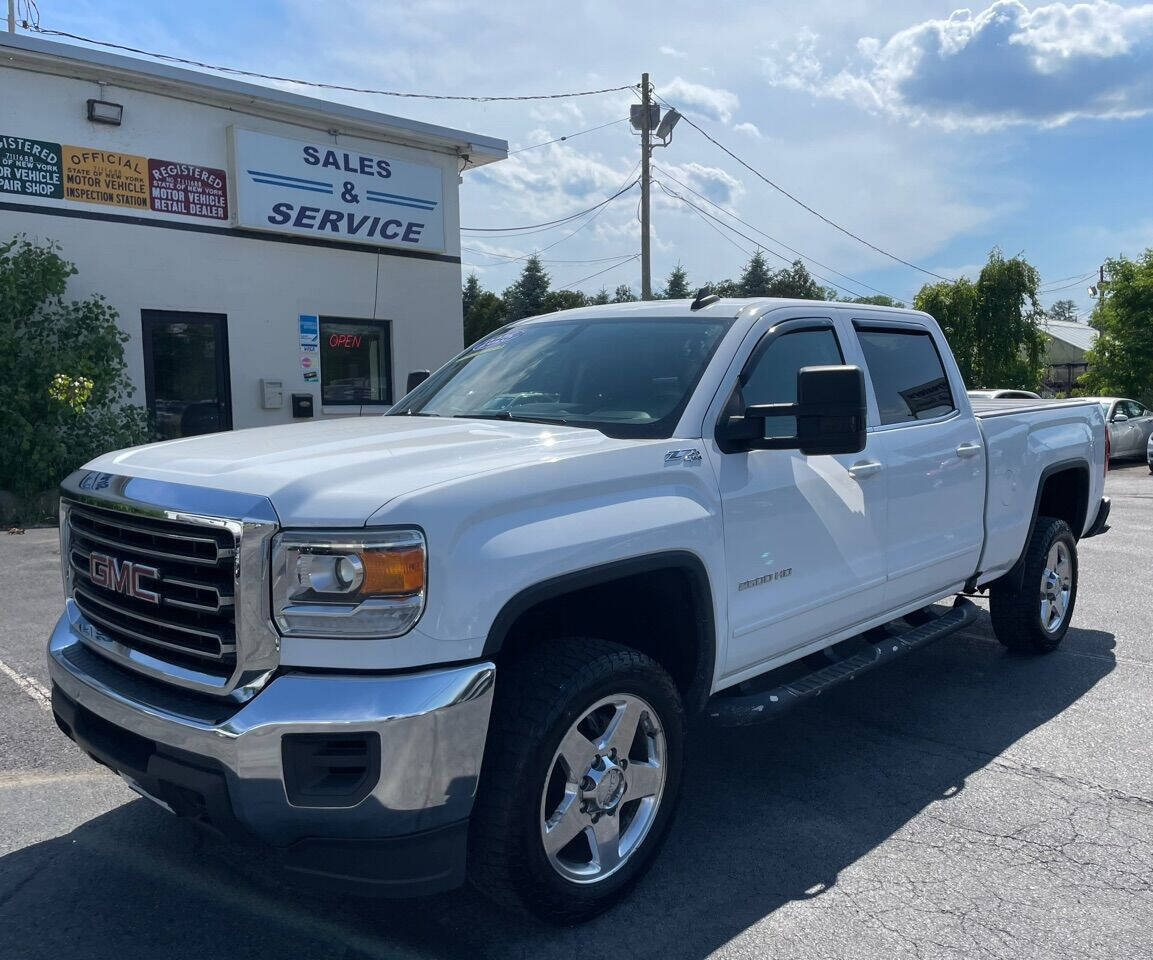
x=739, y=711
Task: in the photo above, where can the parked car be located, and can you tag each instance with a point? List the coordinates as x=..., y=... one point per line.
x=1149, y=453
x=464, y=638
x=1004, y=395
x=1130, y=426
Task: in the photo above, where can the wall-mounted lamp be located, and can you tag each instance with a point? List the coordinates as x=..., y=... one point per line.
x=104, y=111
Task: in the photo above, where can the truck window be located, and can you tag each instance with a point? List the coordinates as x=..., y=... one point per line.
x=773, y=376
x=907, y=374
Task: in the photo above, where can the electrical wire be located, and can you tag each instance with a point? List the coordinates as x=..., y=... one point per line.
x=781, y=243
x=575, y=283
x=1091, y=273
x=533, y=227
x=567, y=136
x=757, y=244
x=36, y=28
x=781, y=190
x=510, y=259
x=1075, y=283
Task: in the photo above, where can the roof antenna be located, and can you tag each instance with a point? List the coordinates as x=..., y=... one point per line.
x=704, y=299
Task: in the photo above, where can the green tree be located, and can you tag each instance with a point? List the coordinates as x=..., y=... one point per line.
x=1064, y=311
x=795, y=281
x=600, y=299
x=469, y=293
x=991, y=325
x=1121, y=358
x=624, y=294
x=677, y=286
x=722, y=288
x=563, y=300
x=877, y=300
x=63, y=387
x=756, y=278
x=485, y=314
x=525, y=298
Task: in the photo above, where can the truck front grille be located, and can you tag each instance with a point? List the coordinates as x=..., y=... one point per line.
x=164, y=588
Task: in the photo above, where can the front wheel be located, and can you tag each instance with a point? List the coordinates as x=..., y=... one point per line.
x=581, y=776
x=1032, y=614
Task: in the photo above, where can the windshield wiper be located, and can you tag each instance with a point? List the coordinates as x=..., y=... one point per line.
x=506, y=415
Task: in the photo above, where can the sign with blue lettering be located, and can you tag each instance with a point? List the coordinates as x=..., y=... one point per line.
x=336, y=193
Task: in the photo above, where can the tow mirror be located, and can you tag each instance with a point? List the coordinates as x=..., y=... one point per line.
x=830, y=416
x=415, y=379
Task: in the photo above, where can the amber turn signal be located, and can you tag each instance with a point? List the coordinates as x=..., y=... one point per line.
x=393, y=571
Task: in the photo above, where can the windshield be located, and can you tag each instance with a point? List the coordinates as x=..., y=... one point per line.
x=626, y=378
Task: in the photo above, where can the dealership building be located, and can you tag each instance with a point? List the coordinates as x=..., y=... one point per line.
x=271, y=256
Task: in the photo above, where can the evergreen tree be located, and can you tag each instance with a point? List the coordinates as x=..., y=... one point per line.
x=756, y=280
x=600, y=299
x=795, y=281
x=677, y=287
x=470, y=292
x=485, y=314
x=624, y=294
x=1064, y=311
x=526, y=297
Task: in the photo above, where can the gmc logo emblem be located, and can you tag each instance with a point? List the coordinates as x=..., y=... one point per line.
x=123, y=576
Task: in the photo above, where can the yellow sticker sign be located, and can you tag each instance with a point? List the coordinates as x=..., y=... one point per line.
x=104, y=176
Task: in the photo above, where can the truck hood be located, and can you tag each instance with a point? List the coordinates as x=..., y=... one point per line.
x=340, y=472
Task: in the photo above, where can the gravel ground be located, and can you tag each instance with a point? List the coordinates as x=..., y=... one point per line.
x=963, y=802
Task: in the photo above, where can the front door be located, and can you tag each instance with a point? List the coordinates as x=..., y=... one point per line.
x=186, y=372
x=804, y=535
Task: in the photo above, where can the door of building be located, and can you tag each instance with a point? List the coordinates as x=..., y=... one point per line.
x=186, y=378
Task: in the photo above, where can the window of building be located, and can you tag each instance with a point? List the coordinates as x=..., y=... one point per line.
x=908, y=376
x=773, y=377
x=355, y=361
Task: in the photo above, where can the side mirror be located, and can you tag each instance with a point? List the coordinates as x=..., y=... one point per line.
x=830, y=413
x=415, y=379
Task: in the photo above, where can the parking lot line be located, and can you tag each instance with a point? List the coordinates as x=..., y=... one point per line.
x=30, y=685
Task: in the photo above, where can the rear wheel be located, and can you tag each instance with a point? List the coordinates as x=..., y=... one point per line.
x=581, y=776
x=1032, y=613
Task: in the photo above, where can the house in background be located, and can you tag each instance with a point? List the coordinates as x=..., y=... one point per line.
x=1066, y=344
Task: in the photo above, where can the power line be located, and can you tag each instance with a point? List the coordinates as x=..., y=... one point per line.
x=574, y=283
x=753, y=227
x=35, y=27
x=816, y=213
x=504, y=256
x=1075, y=283
x=551, y=223
x=712, y=226
x=568, y=136
x=757, y=244
x=1084, y=276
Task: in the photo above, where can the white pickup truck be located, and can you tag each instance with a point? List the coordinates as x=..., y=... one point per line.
x=466, y=637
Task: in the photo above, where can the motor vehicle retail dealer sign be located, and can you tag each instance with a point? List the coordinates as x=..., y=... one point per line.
x=336, y=193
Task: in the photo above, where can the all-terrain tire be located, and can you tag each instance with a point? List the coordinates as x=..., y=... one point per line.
x=539, y=697
x=1016, y=601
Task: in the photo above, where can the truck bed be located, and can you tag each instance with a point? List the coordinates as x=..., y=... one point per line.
x=996, y=408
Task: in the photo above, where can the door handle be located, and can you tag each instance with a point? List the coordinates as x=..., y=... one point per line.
x=864, y=468
x=969, y=449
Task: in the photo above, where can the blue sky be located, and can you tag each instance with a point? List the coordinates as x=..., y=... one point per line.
x=932, y=133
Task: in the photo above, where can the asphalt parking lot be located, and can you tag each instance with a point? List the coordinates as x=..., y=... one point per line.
x=964, y=802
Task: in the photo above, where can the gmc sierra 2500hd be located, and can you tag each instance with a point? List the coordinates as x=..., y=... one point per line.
x=464, y=637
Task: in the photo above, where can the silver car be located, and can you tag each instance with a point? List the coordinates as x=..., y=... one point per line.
x=1130, y=427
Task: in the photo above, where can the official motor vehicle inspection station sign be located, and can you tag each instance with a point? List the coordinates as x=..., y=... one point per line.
x=336, y=193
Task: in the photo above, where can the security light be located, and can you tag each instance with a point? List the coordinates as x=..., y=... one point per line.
x=104, y=111
x=665, y=127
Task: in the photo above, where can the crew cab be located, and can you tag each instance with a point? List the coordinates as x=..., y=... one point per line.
x=465, y=638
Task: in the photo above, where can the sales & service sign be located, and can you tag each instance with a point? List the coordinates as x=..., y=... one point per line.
x=336, y=193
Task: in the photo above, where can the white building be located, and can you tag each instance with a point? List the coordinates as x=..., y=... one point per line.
x=270, y=255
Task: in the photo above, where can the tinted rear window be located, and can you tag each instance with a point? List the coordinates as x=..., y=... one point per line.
x=907, y=374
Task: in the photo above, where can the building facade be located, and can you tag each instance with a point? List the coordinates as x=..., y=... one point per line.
x=270, y=256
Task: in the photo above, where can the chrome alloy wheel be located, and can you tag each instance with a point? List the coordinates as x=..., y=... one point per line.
x=603, y=788
x=1056, y=587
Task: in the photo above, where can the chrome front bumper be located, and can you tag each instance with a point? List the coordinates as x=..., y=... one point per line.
x=431, y=725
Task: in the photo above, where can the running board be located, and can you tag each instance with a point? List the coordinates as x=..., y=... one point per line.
x=753, y=708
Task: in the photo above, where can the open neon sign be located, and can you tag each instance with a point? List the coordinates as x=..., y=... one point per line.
x=350, y=341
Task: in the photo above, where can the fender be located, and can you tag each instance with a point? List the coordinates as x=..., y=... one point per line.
x=682, y=560
x=1015, y=573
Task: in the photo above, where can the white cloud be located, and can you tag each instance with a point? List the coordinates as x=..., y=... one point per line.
x=1004, y=65
x=673, y=52
x=749, y=129
x=713, y=103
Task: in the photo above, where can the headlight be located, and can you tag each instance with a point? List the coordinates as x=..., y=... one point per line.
x=344, y=584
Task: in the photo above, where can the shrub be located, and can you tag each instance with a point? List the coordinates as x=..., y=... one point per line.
x=63, y=388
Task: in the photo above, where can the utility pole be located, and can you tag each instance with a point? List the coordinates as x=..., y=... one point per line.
x=646, y=151
x=11, y=16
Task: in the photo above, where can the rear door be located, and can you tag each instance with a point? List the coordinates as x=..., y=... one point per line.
x=933, y=458
x=803, y=534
